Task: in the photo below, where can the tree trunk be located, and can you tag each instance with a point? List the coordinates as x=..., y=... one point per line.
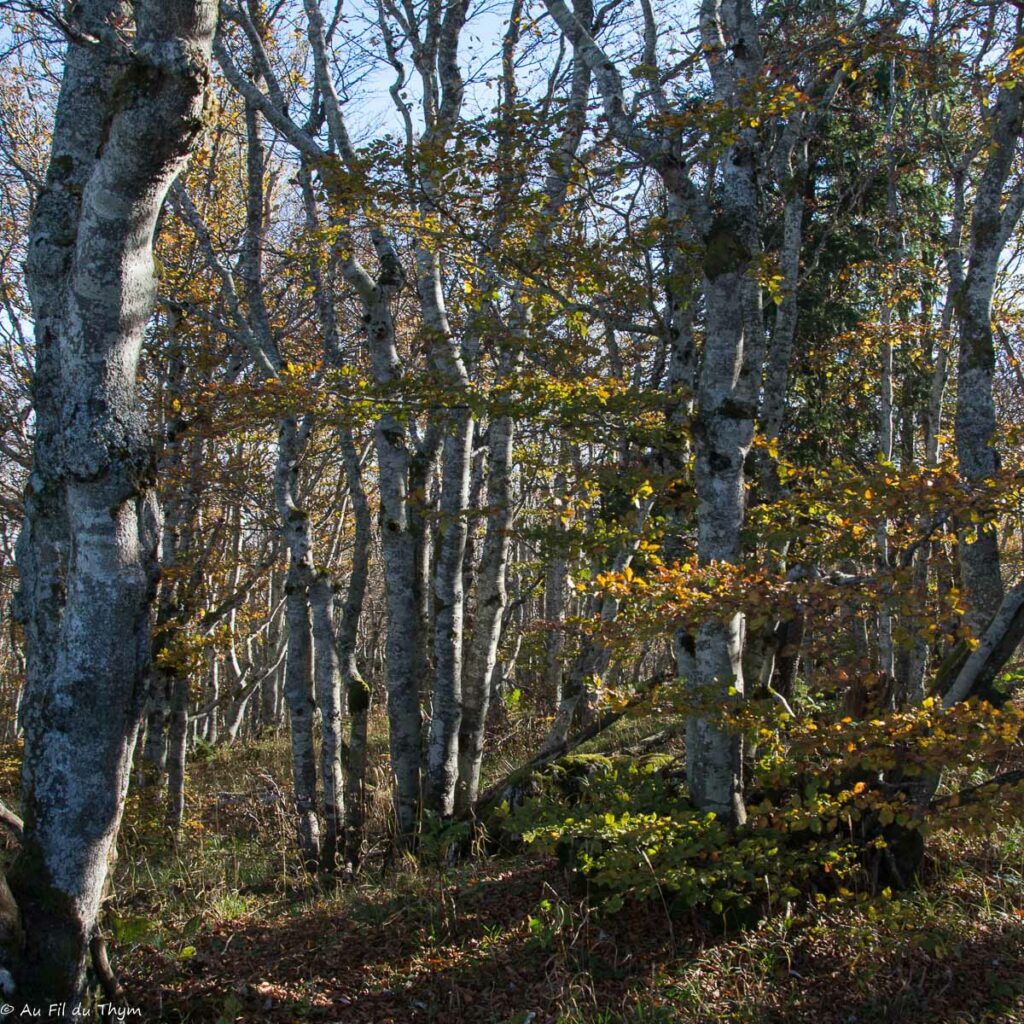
x=270, y=689
x=328, y=695
x=88, y=550
x=446, y=718
x=975, y=418
x=399, y=549
x=723, y=432
x=491, y=597
x=177, y=737
x=154, y=752
x=298, y=691
x=356, y=689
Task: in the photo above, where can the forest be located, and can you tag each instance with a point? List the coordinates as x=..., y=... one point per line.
x=512, y=511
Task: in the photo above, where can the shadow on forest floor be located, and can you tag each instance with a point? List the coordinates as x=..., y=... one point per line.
x=479, y=946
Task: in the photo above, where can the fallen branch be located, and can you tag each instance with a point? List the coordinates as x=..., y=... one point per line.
x=11, y=822
x=101, y=965
x=542, y=760
x=972, y=794
x=1002, y=638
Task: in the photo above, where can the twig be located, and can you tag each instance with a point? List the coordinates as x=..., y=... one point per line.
x=12, y=822
x=972, y=794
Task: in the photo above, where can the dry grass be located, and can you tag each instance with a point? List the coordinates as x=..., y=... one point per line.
x=219, y=927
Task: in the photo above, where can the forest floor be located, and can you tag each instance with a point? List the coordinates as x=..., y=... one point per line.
x=218, y=927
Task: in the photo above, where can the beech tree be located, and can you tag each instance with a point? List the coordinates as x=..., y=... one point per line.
x=498, y=376
x=130, y=111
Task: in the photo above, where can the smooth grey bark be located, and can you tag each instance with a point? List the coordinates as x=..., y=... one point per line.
x=789, y=167
x=997, y=645
x=423, y=524
x=231, y=665
x=434, y=38
x=175, y=600
x=790, y=170
x=491, y=598
x=304, y=580
x=992, y=221
x=356, y=688
x=154, y=754
x=474, y=538
x=723, y=430
x=399, y=533
x=912, y=686
x=776, y=375
x=298, y=692
x=270, y=689
x=433, y=35
x=211, y=721
x=399, y=551
x=341, y=672
x=275, y=658
x=158, y=708
x=446, y=696
x=126, y=123
x=886, y=650
x=911, y=681
x=726, y=401
x=888, y=662
x=302, y=633
x=177, y=737
x=446, y=702
x=328, y=695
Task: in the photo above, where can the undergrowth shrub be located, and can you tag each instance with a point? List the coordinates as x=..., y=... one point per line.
x=835, y=809
x=632, y=833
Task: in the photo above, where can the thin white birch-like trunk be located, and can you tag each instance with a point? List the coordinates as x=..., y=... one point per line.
x=356, y=689
x=886, y=651
x=298, y=694
x=177, y=749
x=391, y=436
x=339, y=677
x=328, y=696
x=270, y=689
x=305, y=582
x=491, y=597
x=434, y=39
x=912, y=685
x=491, y=594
